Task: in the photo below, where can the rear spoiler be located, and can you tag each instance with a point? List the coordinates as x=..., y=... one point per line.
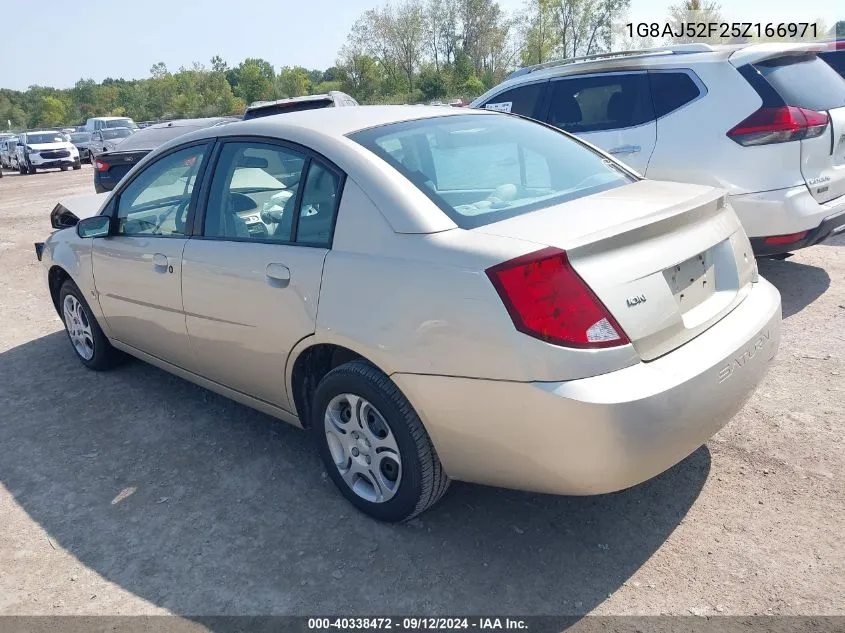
x=759, y=52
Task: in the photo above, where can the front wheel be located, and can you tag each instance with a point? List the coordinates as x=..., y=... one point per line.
x=374, y=445
x=90, y=344
x=32, y=169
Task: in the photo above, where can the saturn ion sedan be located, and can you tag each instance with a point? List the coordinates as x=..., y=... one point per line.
x=433, y=294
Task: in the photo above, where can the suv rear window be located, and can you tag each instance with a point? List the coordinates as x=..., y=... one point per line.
x=836, y=59
x=284, y=108
x=804, y=81
x=481, y=169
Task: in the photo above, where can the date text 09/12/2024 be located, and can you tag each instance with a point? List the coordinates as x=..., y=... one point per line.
x=723, y=30
x=416, y=623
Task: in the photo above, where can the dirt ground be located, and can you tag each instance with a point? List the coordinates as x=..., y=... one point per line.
x=134, y=492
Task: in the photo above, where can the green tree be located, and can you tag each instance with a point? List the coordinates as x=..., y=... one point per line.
x=53, y=111
x=294, y=82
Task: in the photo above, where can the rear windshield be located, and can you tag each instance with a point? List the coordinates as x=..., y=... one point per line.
x=481, y=169
x=804, y=81
x=836, y=59
x=152, y=137
x=284, y=108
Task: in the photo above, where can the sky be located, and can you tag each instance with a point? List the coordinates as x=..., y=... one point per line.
x=57, y=42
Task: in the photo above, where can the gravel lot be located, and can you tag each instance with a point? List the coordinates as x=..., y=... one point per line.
x=134, y=492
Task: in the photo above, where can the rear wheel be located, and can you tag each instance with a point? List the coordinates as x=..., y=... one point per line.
x=90, y=344
x=77, y=165
x=374, y=445
x=63, y=167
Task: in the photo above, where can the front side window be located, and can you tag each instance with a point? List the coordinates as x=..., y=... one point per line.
x=523, y=100
x=253, y=192
x=480, y=169
x=156, y=202
x=600, y=102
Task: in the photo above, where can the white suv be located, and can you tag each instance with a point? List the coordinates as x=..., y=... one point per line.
x=764, y=121
x=45, y=150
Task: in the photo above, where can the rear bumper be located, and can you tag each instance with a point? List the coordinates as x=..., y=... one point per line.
x=784, y=212
x=832, y=225
x=604, y=433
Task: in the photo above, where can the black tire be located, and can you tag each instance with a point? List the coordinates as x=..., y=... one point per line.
x=77, y=166
x=63, y=167
x=31, y=168
x=423, y=481
x=105, y=356
x=22, y=169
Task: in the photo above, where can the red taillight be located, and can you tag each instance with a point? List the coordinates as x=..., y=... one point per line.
x=548, y=300
x=101, y=166
x=791, y=238
x=779, y=125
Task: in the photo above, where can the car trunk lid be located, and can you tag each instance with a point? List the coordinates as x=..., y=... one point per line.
x=668, y=260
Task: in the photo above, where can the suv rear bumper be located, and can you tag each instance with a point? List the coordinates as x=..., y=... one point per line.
x=785, y=212
x=832, y=225
x=607, y=432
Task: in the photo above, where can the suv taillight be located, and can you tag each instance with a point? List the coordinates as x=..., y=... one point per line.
x=779, y=125
x=547, y=299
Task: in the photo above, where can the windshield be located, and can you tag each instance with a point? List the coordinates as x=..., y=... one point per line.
x=121, y=132
x=121, y=123
x=481, y=169
x=80, y=137
x=46, y=137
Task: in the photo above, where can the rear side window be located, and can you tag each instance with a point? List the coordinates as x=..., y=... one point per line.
x=601, y=102
x=804, y=81
x=523, y=100
x=836, y=60
x=671, y=90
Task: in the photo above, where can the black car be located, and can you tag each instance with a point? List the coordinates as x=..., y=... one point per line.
x=81, y=140
x=110, y=167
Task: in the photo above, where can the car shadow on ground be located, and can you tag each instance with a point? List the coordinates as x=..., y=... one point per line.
x=204, y=507
x=799, y=284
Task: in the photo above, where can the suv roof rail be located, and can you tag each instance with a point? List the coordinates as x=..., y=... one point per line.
x=676, y=49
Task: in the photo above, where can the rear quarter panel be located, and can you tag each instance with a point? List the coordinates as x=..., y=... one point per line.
x=424, y=304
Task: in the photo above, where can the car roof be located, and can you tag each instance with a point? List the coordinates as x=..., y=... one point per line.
x=324, y=131
x=334, y=121
x=666, y=57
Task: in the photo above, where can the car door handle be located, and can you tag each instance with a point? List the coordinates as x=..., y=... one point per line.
x=625, y=149
x=278, y=275
x=159, y=260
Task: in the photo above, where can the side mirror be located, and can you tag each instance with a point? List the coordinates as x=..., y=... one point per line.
x=97, y=226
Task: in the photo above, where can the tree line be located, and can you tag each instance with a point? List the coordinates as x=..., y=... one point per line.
x=405, y=51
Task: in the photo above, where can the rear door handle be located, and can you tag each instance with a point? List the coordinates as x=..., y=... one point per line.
x=278, y=275
x=625, y=149
x=159, y=260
